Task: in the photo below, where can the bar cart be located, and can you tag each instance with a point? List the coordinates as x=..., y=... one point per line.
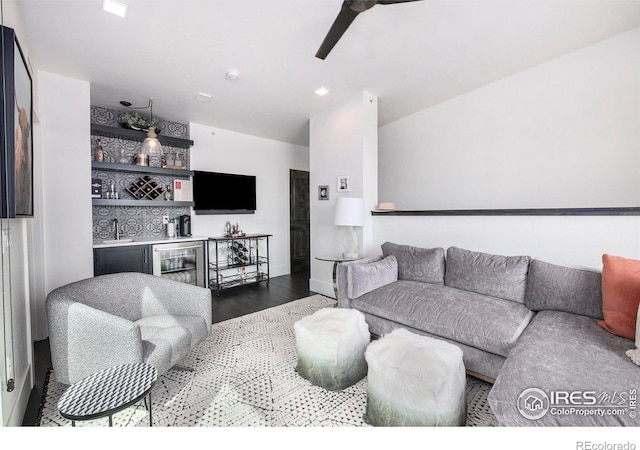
x=238, y=261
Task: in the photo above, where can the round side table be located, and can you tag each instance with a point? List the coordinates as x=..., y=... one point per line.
x=336, y=261
x=107, y=392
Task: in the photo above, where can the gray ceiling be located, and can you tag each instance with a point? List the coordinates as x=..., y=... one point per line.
x=410, y=55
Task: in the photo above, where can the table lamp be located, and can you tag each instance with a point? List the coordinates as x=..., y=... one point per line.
x=349, y=213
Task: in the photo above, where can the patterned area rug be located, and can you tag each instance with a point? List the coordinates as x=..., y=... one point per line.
x=245, y=376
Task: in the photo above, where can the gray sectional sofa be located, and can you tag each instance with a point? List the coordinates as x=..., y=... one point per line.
x=526, y=325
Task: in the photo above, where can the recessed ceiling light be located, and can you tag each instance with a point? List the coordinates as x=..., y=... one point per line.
x=115, y=7
x=321, y=91
x=202, y=97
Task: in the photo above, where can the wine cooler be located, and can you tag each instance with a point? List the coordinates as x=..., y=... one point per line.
x=180, y=261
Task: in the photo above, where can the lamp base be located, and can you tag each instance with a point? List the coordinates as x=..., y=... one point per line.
x=350, y=244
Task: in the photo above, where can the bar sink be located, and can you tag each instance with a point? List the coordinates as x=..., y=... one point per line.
x=117, y=241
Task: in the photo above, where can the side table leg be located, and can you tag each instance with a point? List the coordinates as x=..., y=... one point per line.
x=335, y=280
x=150, y=415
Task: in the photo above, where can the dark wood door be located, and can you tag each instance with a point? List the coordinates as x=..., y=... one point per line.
x=133, y=258
x=299, y=220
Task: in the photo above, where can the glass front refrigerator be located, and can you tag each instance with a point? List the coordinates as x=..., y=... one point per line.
x=180, y=261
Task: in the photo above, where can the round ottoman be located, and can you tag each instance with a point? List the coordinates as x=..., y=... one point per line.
x=415, y=381
x=330, y=344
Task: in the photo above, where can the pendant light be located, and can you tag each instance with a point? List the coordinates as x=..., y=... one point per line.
x=151, y=145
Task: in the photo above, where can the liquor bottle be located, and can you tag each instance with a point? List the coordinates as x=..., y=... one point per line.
x=123, y=157
x=99, y=152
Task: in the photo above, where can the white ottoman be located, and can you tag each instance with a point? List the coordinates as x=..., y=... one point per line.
x=330, y=344
x=415, y=381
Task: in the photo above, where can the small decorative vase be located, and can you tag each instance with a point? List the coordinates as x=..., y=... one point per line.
x=123, y=157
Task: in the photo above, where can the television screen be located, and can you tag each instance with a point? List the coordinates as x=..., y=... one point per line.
x=220, y=193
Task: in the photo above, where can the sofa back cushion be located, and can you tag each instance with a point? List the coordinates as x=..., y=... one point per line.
x=559, y=288
x=498, y=276
x=417, y=264
x=363, y=278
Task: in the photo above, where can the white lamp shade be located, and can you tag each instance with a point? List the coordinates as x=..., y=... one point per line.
x=349, y=212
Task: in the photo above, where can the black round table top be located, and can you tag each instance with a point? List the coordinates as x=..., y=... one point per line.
x=106, y=392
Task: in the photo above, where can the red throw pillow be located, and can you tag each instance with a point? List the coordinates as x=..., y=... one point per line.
x=620, y=295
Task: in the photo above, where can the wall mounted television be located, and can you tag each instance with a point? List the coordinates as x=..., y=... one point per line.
x=223, y=193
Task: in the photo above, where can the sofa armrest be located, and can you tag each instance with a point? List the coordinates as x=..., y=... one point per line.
x=343, y=281
x=84, y=340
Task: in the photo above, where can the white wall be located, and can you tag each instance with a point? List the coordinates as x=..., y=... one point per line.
x=65, y=137
x=343, y=142
x=219, y=150
x=566, y=240
x=563, y=134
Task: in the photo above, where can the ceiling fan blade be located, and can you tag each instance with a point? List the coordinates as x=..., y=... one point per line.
x=340, y=25
x=391, y=2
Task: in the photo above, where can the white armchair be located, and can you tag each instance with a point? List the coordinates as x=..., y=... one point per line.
x=124, y=318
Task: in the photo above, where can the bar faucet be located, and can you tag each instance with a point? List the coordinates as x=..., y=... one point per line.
x=115, y=228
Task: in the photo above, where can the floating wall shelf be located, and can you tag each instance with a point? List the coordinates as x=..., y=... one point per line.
x=624, y=211
x=115, y=167
x=135, y=135
x=119, y=202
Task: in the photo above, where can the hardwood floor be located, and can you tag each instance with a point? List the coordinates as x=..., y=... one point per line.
x=239, y=301
x=232, y=303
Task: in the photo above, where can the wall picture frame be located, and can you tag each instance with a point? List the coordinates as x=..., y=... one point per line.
x=343, y=184
x=16, y=123
x=323, y=192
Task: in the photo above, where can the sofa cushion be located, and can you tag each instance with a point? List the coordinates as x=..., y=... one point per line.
x=365, y=278
x=475, y=360
x=417, y=264
x=620, y=295
x=564, y=289
x=488, y=323
x=498, y=276
x=567, y=352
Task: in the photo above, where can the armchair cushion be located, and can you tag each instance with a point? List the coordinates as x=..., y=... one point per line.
x=166, y=338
